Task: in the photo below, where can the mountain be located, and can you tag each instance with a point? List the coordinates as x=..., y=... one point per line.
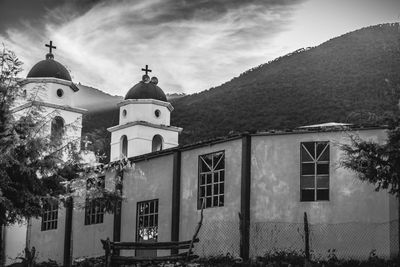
x=346, y=79
x=95, y=100
x=175, y=96
x=351, y=78
x=102, y=112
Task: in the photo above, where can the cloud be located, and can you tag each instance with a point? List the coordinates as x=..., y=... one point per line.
x=190, y=45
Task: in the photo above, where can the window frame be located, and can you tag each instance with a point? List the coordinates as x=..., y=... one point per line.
x=51, y=212
x=315, y=161
x=213, y=183
x=155, y=213
x=94, y=208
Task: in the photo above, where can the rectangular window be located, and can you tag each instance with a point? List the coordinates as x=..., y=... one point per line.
x=94, y=211
x=147, y=221
x=314, y=171
x=94, y=208
x=211, y=180
x=49, y=216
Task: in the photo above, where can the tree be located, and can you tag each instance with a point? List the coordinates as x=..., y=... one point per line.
x=34, y=167
x=378, y=164
x=30, y=164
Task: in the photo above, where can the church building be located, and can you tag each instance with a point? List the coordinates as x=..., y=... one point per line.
x=255, y=188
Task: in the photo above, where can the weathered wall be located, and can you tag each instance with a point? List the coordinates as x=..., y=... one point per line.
x=45, y=89
x=15, y=240
x=354, y=221
x=220, y=231
x=140, y=140
x=49, y=244
x=143, y=110
x=86, y=238
x=354, y=208
x=148, y=180
x=394, y=219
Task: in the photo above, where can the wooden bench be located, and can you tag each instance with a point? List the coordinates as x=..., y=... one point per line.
x=112, y=257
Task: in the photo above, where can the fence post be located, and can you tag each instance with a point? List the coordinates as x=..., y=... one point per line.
x=306, y=237
x=398, y=230
x=245, y=189
x=118, y=211
x=176, y=196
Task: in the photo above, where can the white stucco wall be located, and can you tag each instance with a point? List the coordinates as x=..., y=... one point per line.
x=15, y=240
x=86, y=238
x=140, y=139
x=355, y=220
x=220, y=231
x=150, y=179
x=142, y=110
x=49, y=244
x=43, y=89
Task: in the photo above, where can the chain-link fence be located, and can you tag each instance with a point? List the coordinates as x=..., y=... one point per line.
x=218, y=238
x=354, y=240
x=351, y=240
x=267, y=236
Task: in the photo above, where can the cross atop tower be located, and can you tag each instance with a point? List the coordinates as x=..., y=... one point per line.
x=50, y=46
x=146, y=69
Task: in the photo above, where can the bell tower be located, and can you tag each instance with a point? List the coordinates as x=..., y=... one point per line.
x=49, y=85
x=144, y=121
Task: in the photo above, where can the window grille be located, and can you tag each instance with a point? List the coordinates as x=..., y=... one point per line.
x=94, y=211
x=211, y=180
x=49, y=216
x=147, y=221
x=94, y=208
x=314, y=171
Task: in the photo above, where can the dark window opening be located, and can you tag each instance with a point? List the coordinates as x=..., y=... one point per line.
x=94, y=207
x=314, y=178
x=147, y=226
x=57, y=129
x=147, y=221
x=124, y=146
x=157, y=143
x=60, y=92
x=211, y=180
x=49, y=215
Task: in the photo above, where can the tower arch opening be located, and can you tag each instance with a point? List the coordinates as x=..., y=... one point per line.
x=157, y=143
x=124, y=146
x=57, y=129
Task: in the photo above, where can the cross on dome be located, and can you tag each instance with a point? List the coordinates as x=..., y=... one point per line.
x=50, y=46
x=146, y=69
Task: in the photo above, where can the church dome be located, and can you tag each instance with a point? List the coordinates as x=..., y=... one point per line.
x=49, y=68
x=146, y=89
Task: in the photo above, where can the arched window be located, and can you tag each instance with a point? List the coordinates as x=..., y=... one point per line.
x=124, y=146
x=157, y=143
x=57, y=129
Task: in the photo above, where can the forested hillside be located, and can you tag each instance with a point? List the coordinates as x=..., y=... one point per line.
x=357, y=73
x=347, y=79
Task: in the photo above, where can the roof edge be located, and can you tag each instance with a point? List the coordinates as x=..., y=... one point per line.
x=144, y=123
x=146, y=101
x=50, y=79
x=237, y=136
x=50, y=105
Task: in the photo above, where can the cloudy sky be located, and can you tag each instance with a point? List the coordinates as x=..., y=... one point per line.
x=191, y=45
